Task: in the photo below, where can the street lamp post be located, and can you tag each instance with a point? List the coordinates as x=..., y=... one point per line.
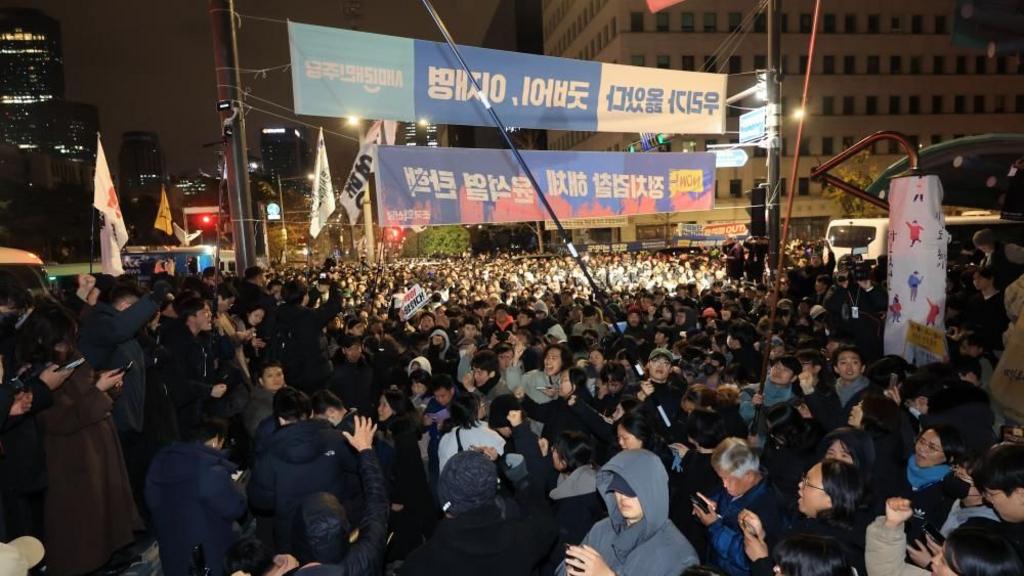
x=284, y=225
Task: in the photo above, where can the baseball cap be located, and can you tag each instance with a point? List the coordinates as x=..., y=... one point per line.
x=619, y=484
x=658, y=353
x=817, y=310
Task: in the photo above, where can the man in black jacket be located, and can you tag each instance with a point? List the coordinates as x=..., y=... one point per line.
x=296, y=341
x=353, y=377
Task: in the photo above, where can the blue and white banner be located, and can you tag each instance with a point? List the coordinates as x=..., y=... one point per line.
x=421, y=186
x=342, y=73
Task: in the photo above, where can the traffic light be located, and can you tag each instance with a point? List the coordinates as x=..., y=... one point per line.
x=394, y=235
x=663, y=142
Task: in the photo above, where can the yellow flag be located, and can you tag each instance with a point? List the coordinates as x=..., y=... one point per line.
x=163, y=215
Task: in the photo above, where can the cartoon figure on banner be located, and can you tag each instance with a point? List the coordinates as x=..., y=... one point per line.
x=919, y=191
x=933, y=312
x=915, y=232
x=896, y=308
x=914, y=281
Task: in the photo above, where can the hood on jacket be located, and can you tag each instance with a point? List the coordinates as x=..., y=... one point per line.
x=321, y=530
x=178, y=463
x=557, y=333
x=422, y=361
x=299, y=443
x=583, y=480
x=447, y=341
x=647, y=477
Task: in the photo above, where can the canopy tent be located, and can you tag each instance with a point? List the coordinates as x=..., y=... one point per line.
x=974, y=170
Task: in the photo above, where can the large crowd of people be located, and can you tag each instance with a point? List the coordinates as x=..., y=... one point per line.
x=518, y=422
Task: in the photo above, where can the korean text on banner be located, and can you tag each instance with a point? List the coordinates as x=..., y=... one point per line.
x=342, y=73
x=420, y=186
x=114, y=234
x=413, y=300
x=918, y=244
x=359, y=176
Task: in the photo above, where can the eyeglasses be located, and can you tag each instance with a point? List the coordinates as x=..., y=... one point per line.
x=804, y=482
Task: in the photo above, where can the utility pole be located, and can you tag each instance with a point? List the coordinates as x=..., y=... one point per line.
x=774, y=127
x=284, y=225
x=225, y=51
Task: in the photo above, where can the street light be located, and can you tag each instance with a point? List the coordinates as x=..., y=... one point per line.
x=352, y=120
x=798, y=113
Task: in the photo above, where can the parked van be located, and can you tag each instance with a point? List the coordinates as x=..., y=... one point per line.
x=26, y=267
x=869, y=236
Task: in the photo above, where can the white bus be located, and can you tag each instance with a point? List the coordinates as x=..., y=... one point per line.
x=869, y=236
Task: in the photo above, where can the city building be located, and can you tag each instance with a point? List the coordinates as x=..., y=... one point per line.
x=420, y=133
x=33, y=112
x=140, y=161
x=286, y=152
x=877, y=66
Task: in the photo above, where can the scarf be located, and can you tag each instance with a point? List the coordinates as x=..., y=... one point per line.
x=921, y=478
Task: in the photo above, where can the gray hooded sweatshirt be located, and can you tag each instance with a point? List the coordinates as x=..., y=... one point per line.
x=651, y=547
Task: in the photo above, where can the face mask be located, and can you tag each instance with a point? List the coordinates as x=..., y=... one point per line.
x=954, y=487
x=914, y=411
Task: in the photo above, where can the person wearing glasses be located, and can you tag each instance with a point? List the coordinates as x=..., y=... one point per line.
x=936, y=451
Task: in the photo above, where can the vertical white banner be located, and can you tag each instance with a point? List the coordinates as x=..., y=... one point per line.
x=918, y=244
x=323, y=190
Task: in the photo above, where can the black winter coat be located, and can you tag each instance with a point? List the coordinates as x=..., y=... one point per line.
x=298, y=460
x=355, y=385
x=306, y=366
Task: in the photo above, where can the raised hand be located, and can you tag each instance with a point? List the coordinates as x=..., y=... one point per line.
x=362, y=439
x=897, y=511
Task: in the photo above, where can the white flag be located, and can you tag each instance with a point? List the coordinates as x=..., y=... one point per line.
x=114, y=234
x=359, y=177
x=323, y=190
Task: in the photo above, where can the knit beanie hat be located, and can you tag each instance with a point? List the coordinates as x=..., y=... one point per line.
x=469, y=480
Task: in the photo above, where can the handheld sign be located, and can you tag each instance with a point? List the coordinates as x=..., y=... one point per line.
x=413, y=300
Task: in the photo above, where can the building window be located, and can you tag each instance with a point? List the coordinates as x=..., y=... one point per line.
x=849, y=64
x=661, y=22
x=999, y=106
x=871, y=105
x=710, y=22
x=914, y=105
x=847, y=142
x=874, y=23
x=894, y=147
x=959, y=104
x=961, y=64
x=936, y=139
x=735, y=64
x=688, y=22
x=806, y=20
x=709, y=143
x=937, y=104
x=689, y=62
x=1020, y=103
x=979, y=64
x=979, y=104
x=828, y=106
x=803, y=65
x=850, y=23
x=735, y=18
x=615, y=29
x=848, y=106
x=803, y=186
x=636, y=59
x=894, y=104
x=895, y=64
x=827, y=146
x=874, y=65
x=760, y=23
x=829, y=26
x=736, y=188
x=938, y=65
x=784, y=64
x=805, y=147
x=828, y=65
x=1001, y=65
x=915, y=65
x=663, y=61
x=784, y=23
x=896, y=24
x=917, y=24
x=636, y=21
x=709, y=64
x=760, y=62
x=940, y=24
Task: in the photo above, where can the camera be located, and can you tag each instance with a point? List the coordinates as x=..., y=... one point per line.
x=854, y=267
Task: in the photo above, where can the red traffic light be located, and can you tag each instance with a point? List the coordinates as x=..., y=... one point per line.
x=206, y=219
x=395, y=233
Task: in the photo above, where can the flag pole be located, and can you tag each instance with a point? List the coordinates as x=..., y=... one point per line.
x=92, y=236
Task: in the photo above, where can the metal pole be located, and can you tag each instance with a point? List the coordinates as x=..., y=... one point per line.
x=368, y=226
x=774, y=126
x=284, y=225
x=225, y=50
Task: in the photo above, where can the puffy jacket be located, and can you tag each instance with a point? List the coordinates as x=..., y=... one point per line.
x=725, y=536
x=193, y=500
x=652, y=547
x=296, y=461
x=308, y=367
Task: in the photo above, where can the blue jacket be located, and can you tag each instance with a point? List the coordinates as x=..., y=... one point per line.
x=298, y=460
x=725, y=536
x=193, y=500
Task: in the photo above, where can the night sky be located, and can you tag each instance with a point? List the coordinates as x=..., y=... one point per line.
x=148, y=64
